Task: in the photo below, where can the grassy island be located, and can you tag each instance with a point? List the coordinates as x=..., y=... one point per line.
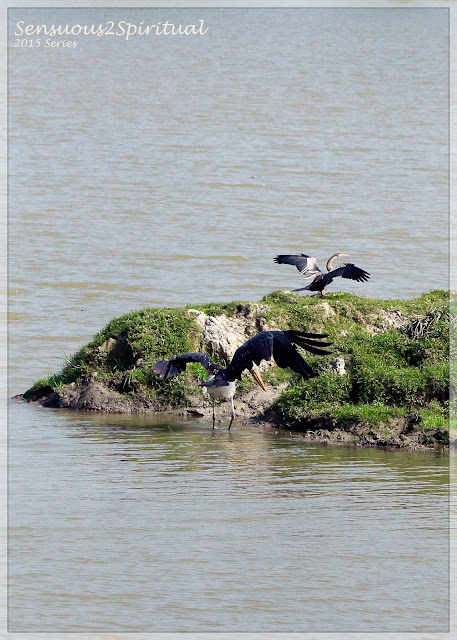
x=386, y=382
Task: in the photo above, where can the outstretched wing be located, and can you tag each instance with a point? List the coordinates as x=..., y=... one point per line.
x=171, y=368
x=305, y=264
x=349, y=271
x=311, y=342
x=280, y=345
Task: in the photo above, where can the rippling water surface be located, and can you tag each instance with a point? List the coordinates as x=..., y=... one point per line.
x=172, y=171
x=123, y=524
x=162, y=172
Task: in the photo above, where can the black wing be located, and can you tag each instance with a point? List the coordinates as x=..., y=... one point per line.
x=349, y=271
x=305, y=264
x=171, y=368
x=280, y=345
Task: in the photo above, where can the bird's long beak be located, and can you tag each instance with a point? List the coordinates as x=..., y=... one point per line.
x=347, y=255
x=255, y=373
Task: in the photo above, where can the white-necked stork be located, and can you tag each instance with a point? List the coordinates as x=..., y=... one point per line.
x=281, y=345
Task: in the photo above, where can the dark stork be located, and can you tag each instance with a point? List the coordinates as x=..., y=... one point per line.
x=309, y=269
x=282, y=345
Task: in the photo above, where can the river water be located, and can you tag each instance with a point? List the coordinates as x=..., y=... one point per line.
x=171, y=170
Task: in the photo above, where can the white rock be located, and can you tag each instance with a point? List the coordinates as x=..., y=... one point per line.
x=338, y=365
x=326, y=308
x=393, y=318
x=222, y=335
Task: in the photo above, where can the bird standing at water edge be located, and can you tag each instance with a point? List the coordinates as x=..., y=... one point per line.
x=309, y=269
x=282, y=345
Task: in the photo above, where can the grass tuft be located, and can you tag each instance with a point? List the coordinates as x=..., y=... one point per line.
x=396, y=355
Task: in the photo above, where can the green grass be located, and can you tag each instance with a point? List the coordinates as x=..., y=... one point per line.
x=392, y=373
x=372, y=414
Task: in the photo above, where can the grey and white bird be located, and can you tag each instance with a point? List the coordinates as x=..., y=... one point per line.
x=309, y=269
x=281, y=345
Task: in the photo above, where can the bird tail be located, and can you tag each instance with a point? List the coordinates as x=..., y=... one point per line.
x=310, y=341
x=302, y=289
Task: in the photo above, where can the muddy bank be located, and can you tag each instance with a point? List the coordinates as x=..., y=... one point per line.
x=385, y=384
x=253, y=407
x=91, y=395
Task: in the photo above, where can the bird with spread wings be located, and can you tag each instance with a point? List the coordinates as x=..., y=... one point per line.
x=308, y=268
x=220, y=384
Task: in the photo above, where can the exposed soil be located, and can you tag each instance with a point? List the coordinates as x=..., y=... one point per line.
x=398, y=435
x=252, y=407
x=112, y=373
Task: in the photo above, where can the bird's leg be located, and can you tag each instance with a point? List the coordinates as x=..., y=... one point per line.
x=322, y=293
x=214, y=412
x=233, y=413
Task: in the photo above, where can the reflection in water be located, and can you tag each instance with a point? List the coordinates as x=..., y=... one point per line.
x=134, y=172
x=248, y=530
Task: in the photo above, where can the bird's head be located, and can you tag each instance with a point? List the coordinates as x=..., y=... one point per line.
x=209, y=382
x=332, y=258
